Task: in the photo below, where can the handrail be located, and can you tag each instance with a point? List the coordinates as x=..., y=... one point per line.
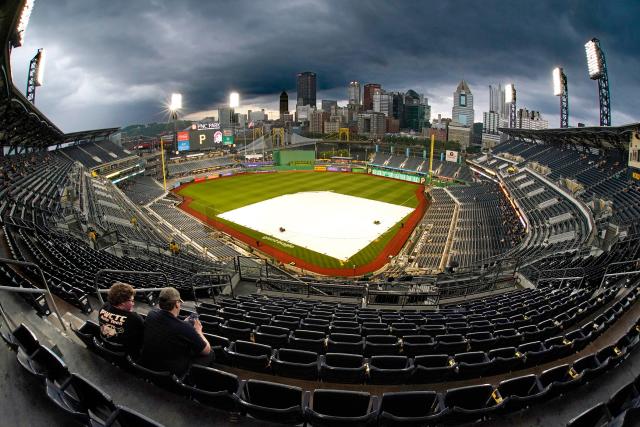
x=102, y=272
x=210, y=274
x=44, y=281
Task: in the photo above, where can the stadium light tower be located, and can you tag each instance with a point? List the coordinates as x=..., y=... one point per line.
x=17, y=37
x=36, y=75
x=510, y=98
x=174, y=106
x=597, y=66
x=560, y=89
x=234, y=100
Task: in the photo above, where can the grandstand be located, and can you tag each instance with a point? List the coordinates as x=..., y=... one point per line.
x=514, y=302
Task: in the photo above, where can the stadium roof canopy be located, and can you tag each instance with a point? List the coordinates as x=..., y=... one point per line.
x=604, y=137
x=21, y=123
x=90, y=135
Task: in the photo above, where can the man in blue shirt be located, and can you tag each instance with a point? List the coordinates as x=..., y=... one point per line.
x=171, y=344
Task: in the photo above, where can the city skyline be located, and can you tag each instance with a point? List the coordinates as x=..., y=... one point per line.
x=97, y=77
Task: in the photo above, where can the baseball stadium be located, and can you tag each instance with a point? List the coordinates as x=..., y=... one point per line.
x=321, y=280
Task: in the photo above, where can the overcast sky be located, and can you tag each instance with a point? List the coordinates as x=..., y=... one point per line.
x=114, y=63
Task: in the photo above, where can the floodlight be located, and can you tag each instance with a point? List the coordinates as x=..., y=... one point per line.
x=594, y=58
x=40, y=68
x=176, y=102
x=234, y=99
x=509, y=90
x=23, y=22
x=557, y=81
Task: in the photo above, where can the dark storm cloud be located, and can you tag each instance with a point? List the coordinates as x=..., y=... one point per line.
x=114, y=63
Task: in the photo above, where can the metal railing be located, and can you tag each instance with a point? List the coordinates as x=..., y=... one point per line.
x=562, y=275
x=194, y=287
x=103, y=272
x=46, y=291
x=620, y=269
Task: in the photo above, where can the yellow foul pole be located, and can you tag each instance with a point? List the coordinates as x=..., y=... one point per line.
x=164, y=175
x=433, y=142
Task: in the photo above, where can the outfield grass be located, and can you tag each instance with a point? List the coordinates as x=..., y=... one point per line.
x=217, y=196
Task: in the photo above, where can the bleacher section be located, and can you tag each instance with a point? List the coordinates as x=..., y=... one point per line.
x=94, y=154
x=602, y=177
x=195, y=166
x=142, y=189
x=454, y=171
x=487, y=226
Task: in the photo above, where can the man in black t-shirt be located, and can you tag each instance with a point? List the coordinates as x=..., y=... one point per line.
x=118, y=322
x=171, y=344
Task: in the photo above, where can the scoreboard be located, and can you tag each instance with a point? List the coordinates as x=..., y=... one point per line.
x=204, y=139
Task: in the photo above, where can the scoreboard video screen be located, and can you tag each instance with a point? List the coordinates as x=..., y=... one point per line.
x=204, y=139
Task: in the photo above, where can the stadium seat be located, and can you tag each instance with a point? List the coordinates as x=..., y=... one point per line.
x=611, y=355
x=415, y=345
x=111, y=352
x=381, y=345
x=212, y=387
x=451, y=344
x=283, y=404
x=295, y=364
x=390, y=369
x=289, y=322
x=481, y=341
x=308, y=340
x=471, y=403
x=402, y=329
x=342, y=368
x=595, y=416
x=624, y=398
x=345, y=327
x=433, y=368
x=578, y=340
x=345, y=343
x=44, y=364
x=341, y=408
x=315, y=324
x=412, y=408
x=125, y=417
x=505, y=359
x=432, y=330
x=559, y=379
x=521, y=392
x=535, y=353
x=258, y=318
x=249, y=355
x=375, y=328
x=472, y=364
x=218, y=344
x=23, y=339
x=559, y=347
x=589, y=367
x=164, y=379
x=236, y=330
x=81, y=399
x=86, y=333
x=507, y=337
x=274, y=336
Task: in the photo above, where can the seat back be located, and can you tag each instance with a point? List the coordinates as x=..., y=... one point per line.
x=470, y=397
x=340, y=403
x=410, y=404
x=211, y=379
x=272, y=395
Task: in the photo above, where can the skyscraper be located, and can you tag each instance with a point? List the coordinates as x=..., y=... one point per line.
x=462, y=112
x=496, y=100
x=367, y=101
x=382, y=102
x=306, y=89
x=327, y=104
x=355, y=96
x=284, y=103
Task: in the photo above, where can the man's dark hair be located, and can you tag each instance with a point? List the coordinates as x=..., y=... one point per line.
x=120, y=292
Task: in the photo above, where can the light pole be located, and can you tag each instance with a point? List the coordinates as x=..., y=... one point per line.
x=176, y=104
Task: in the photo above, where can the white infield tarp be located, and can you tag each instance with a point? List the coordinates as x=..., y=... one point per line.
x=330, y=223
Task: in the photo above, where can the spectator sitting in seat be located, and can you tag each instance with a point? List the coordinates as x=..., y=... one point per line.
x=171, y=344
x=118, y=322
